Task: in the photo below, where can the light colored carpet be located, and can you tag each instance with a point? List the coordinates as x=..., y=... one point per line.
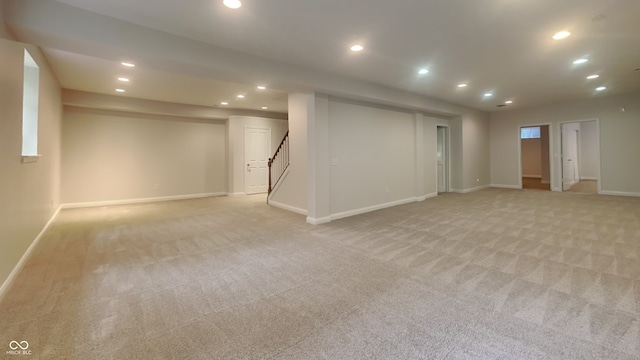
x=495, y=274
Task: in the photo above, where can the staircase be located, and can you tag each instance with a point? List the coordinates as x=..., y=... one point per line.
x=279, y=163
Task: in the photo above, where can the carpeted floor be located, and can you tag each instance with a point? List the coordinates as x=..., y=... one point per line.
x=495, y=274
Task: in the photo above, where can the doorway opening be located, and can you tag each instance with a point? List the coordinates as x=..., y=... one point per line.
x=535, y=160
x=443, y=159
x=580, y=156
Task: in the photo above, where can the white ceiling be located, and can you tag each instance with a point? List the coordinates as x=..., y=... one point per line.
x=498, y=46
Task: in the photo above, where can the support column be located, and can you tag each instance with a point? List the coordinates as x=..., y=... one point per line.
x=319, y=186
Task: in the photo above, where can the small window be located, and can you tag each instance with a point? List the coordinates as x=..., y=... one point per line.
x=530, y=132
x=31, y=92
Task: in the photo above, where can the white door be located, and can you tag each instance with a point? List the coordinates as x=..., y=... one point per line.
x=570, y=175
x=442, y=159
x=257, y=148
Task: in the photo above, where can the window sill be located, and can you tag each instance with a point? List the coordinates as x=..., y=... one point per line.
x=30, y=158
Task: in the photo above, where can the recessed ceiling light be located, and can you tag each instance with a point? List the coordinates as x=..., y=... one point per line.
x=120, y=90
x=463, y=85
x=509, y=102
x=488, y=95
x=580, y=61
x=357, y=48
x=601, y=88
x=240, y=96
x=594, y=76
x=224, y=103
x=123, y=79
x=423, y=71
x=261, y=87
x=128, y=64
x=232, y=4
x=561, y=35
x=264, y=108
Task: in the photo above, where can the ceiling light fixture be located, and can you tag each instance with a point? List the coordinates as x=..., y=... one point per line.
x=128, y=64
x=463, y=85
x=261, y=87
x=357, y=48
x=264, y=108
x=594, y=76
x=488, y=95
x=240, y=96
x=580, y=61
x=509, y=102
x=561, y=35
x=120, y=90
x=232, y=4
x=123, y=79
x=423, y=71
x=601, y=88
x=224, y=103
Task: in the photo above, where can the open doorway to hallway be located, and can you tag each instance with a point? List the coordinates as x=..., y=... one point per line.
x=580, y=156
x=534, y=157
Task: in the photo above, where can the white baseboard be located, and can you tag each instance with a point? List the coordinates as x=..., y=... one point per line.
x=619, y=193
x=139, y=201
x=505, y=186
x=16, y=270
x=533, y=176
x=465, y=191
x=294, y=209
x=367, y=209
x=588, y=178
x=236, y=194
x=318, y=221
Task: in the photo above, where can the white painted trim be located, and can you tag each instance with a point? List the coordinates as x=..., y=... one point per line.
x=23, y=260
x=140, y=201
x=367, y=209
x=428, y=196
x=589, y=178
x=465, y=191
x=236, y=194
x=294, y=209
x=533, y=176
x=318, y=221
x=619, y=193
x=504, y=186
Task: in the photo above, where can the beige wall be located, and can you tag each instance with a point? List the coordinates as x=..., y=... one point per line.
x=475, y=151
x=28, y=191
x=589, y=164
x=618, y=140
x=4, y=33
x=373, y=156
x=111, y=156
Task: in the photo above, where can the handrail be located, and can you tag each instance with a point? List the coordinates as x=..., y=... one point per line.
x=279, y=162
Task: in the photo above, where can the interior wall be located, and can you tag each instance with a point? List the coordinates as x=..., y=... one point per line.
x=545, y=164
x=475, y=151
x=29, y=191
x=373, y=156
x=589, y=150
x=618, y=140
x=236, y=137
x=292, y=194
x=115, y=156
x=531, y=150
